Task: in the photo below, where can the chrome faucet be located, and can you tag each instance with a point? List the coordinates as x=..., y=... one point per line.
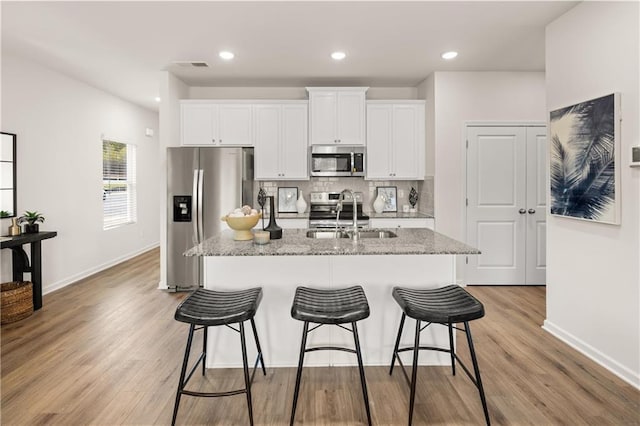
x=355, y=234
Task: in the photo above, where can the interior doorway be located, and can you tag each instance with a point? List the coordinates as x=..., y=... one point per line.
x=506, y=177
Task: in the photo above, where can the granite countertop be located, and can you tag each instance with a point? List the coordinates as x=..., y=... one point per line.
x=294, y=242
x=371, y=214
x=399, y=215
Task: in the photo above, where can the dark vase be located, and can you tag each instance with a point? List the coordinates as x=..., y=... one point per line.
x=31, y=229
x=275, y=232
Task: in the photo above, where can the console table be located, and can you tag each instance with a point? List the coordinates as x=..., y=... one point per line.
x=20, y=260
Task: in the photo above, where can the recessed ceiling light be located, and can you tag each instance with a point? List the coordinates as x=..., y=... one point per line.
x=338, y=56
x=226, y=55
x=449, y=55
x=157, y=98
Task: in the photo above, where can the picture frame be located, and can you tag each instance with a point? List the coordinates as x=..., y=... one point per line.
x=390, y=196
x=287, y=197
x=584, y=145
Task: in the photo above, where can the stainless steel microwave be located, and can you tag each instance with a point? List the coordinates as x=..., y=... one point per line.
x=329, y=160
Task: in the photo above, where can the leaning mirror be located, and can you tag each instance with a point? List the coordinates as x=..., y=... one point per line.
x=8, y=175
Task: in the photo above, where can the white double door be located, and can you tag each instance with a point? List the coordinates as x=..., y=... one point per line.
x=506, y=204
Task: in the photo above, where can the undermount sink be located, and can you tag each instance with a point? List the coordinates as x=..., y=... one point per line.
x=343, y=234
x=327, y=234
x=377, y=234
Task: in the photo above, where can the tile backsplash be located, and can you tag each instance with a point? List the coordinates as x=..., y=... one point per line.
x=367, y=187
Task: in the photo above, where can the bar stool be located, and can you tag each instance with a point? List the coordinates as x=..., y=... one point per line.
x=336, y=307
x=446, y=305
x=207, y=308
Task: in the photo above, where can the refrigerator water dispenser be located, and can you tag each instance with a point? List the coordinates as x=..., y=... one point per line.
x=182, y=208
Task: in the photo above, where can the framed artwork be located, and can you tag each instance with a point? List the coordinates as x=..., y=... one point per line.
x=584, y=143
x=287, y=197
x=389, y=194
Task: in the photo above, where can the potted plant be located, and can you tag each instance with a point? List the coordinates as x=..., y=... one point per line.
x=31, y=219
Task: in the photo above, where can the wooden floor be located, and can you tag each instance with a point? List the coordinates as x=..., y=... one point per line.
x=107, y=351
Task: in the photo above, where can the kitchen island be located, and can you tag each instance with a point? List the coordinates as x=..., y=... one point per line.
x=415, y=258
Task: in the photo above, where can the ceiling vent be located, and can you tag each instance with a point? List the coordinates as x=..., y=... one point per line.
x=191, y=64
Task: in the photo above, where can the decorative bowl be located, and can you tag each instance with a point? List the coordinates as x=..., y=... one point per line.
x=242, y=226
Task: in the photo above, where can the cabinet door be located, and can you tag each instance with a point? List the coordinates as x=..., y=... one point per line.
x=379, y=134
x=406, y=140
x=418, y=222
x=267, y=141
x=235, y=125
x=198, y=124
x=351, y=118
x=294, y=147
x=323, y=106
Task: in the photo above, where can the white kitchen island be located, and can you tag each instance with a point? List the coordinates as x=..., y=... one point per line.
x=415, y=258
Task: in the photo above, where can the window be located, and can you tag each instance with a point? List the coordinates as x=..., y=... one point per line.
x=118, y=183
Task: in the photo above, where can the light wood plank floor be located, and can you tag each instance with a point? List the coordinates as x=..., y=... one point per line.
x=107, y=351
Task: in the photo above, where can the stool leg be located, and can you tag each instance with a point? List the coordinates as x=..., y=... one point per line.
x=361, y=368
x=452, y=350
x=183, y=372
x=395, y=348
x=299, y=373
x=255, y=334
x=476, y=370
x=245, y=365
x=414, y=372
x=204, y=348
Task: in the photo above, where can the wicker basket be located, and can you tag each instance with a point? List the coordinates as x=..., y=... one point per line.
x=16, y=301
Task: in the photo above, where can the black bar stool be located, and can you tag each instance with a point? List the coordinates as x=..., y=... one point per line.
x=206, y=308
x=337, y=307
x=446, y=305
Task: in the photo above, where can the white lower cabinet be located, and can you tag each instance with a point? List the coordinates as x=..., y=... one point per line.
x=395, y=140
x=281, y=147
x=414, y=222
x=289, y=223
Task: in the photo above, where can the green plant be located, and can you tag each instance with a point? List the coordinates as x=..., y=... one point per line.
x=4, y=213
x=31, y=218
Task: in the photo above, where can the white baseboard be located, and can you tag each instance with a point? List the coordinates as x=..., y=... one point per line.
x=626, y=374
x=84, y=274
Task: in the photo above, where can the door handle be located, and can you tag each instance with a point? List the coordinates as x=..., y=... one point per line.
x=532, y=211
x=522, y=211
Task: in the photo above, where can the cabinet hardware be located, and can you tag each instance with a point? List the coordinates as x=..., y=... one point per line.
x=532, y=211
x=522, y=211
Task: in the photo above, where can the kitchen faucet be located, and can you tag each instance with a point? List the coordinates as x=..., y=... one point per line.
x=355, y=235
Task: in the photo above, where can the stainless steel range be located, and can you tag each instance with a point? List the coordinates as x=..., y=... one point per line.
x=323, y=214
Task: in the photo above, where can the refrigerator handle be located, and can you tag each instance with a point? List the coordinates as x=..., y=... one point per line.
x=200, y=205
x=195, y=202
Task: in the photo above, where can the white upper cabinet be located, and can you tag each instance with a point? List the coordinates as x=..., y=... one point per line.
x=220, y=124
x=337, y=115
x=395, y=140
x=281, y=147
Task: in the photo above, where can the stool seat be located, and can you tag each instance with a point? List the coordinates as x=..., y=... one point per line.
x=333, y=306
x=447, y=304
x=211, y=307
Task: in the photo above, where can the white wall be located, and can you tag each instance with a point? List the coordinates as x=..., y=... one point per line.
x=474, y=96
x=593, y=280
x=426, y=90
x=172, y=90
x=290, y=93
x=59, y=122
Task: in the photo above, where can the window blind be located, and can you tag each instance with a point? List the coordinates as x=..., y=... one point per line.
x=118, y=183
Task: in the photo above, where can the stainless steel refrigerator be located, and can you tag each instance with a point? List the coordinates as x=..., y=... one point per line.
x=204, y=184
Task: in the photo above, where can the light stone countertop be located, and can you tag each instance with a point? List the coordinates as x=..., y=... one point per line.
x=294, y=242
x=399, y=215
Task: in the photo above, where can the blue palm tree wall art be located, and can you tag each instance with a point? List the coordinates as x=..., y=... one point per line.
x=584, y=145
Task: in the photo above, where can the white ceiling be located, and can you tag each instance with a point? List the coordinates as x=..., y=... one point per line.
x=120, y=46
